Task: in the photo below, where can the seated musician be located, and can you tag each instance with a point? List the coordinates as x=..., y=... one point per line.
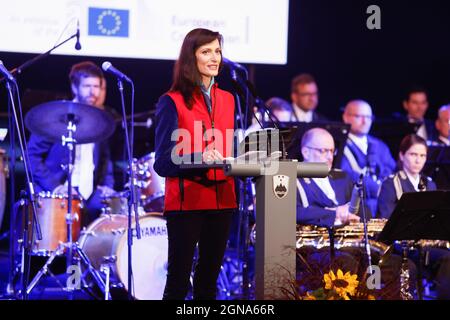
x=323, y=201
x=365, y=154
x=442, y=124
x=412, y=158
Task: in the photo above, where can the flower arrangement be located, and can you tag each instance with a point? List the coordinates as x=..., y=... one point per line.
x=339, y=286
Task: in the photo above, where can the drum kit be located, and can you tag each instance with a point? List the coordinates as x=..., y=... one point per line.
x=100, y=249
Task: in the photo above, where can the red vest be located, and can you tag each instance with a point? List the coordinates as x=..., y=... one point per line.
x=214, y=191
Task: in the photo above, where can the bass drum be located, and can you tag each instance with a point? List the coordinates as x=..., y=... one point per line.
x=105, y=243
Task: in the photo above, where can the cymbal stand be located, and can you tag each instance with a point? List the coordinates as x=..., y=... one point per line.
x=69, y=247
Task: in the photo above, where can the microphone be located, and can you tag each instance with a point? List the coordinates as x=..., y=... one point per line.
x=6, y=73
x=355, y=200
x=77, y=44
x=233, y=65
x=108, y=67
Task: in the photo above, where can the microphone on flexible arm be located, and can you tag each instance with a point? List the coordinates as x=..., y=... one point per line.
x=233, y=65
x=6, y=73
x=77, y=44
x=355, y=200
x=262, y=106
x=108, y=67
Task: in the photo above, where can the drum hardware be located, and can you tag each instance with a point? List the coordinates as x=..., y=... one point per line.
x=118, y=231
x=110, y=259
x=17, y=129
x=70, y=123
x=23, y=152
x=105, y=269
x=150, y=184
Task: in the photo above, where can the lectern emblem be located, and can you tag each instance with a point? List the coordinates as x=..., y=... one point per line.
x=280, y=185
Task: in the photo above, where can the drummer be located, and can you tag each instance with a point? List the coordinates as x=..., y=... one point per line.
x=92, y=176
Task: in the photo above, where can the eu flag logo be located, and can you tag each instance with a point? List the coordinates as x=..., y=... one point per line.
x=108, y=22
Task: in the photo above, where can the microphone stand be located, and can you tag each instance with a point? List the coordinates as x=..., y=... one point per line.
x=273, y=120
x=18, y=71
x=133, y=197
x=243, y=207
x=41, y=56
x=361, y=193
x=30, y=193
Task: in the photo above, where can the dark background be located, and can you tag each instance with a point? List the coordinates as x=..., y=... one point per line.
x=327, y=38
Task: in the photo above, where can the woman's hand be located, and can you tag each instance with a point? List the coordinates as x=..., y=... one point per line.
x=212, y=156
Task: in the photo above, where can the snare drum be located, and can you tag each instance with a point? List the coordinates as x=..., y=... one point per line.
x=105, y=243
x=51, y=211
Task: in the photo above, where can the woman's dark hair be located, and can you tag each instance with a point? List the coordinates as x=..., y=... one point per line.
x=409, y=141
x=186, y=76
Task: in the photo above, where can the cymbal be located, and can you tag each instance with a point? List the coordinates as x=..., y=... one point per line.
x=50, y=120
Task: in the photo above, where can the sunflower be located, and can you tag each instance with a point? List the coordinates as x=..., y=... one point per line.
x=309, y=297
x=341, y=283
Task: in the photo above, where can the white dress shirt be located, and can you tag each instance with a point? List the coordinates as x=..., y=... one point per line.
x=361, y=142
x=414, y=180
x=83, y=170
x=325, y=185
x=302, y=116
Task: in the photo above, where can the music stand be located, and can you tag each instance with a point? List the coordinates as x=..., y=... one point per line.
x=419, y=215
x=438, y=166
x=338, y=130
x=392, y=132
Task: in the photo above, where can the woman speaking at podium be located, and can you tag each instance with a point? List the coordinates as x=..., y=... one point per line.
x=198, y=204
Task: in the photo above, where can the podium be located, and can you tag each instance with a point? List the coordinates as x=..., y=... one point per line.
x=276, y=218
x=276, y=194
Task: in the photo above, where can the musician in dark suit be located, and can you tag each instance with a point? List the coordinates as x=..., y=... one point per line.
x=92, y=175
x=416, y=105
x=305, y=98
x=413, y=155
x=442, y=124
x=323, y=201
x=364, y=154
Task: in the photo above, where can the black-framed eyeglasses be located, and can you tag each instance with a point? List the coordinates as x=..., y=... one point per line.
x=323, y=151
